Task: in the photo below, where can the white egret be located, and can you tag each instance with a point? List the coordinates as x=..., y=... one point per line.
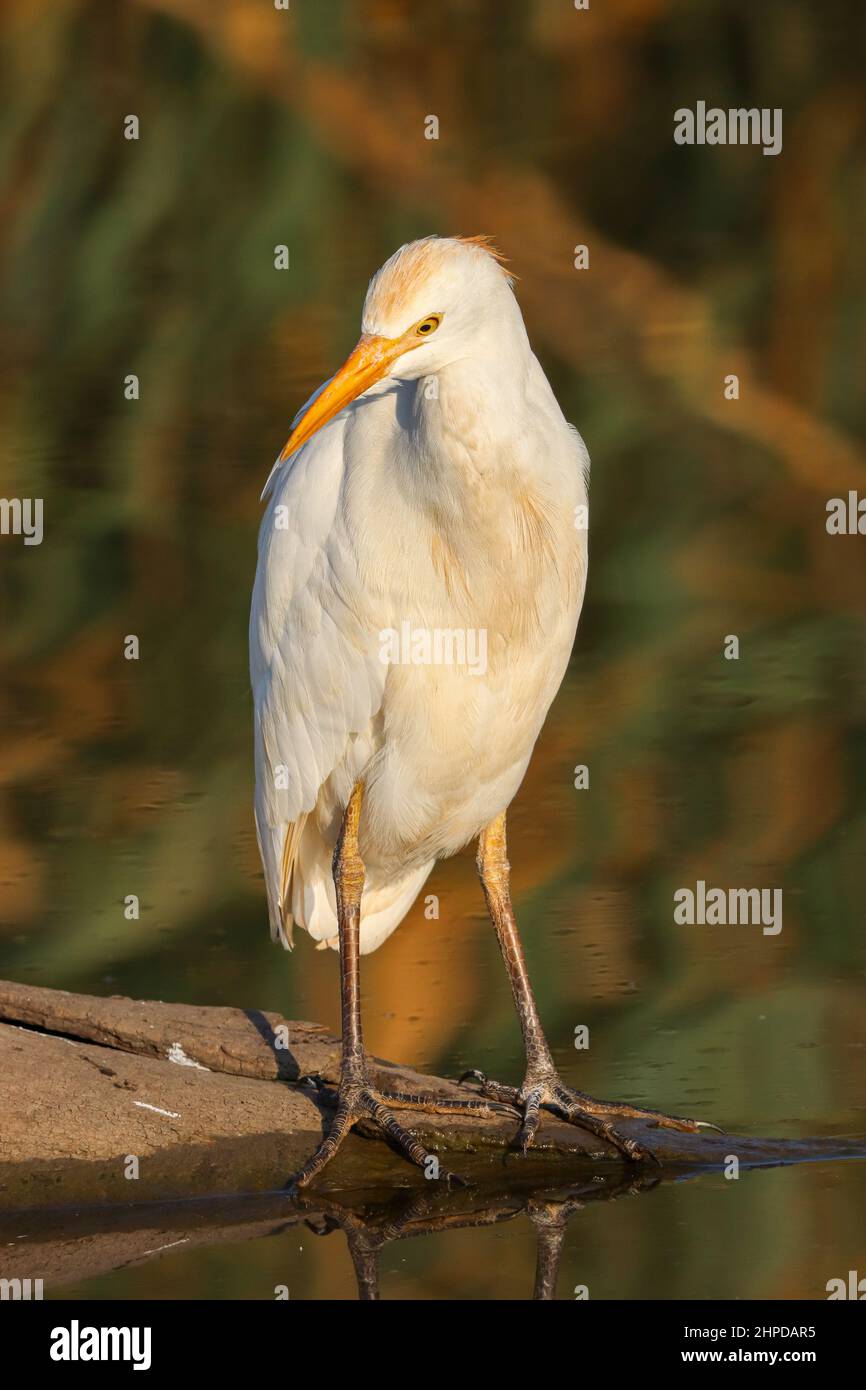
x=420, y=576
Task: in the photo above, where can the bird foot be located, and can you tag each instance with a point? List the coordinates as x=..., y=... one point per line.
x=547, y=1089
x=358, y=1100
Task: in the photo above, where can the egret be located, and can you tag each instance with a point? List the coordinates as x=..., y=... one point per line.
x=431, y=489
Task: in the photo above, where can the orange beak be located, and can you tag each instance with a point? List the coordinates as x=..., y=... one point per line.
x=367, y=364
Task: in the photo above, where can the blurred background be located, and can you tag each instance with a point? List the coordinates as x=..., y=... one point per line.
x=261, y=127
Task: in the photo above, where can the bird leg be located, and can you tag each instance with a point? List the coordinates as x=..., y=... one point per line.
x=550, y=1221
x=542, y=1084
x=357, y=1099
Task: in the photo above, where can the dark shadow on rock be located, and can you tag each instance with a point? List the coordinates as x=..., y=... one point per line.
x=287, y=1064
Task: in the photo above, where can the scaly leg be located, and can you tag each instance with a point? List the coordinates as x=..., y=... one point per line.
x=356, y=1097
x=542, y=1084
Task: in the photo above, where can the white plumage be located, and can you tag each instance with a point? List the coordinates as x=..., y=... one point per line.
x=432, y=483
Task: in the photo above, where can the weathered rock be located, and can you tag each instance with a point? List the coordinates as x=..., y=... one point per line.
x=200, y=1101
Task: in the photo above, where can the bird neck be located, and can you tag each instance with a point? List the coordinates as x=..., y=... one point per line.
x=471, y=424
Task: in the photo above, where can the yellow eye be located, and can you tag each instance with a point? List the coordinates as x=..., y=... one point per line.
x=428, y=325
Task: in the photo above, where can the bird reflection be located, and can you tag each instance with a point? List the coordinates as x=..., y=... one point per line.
x=369, y=1228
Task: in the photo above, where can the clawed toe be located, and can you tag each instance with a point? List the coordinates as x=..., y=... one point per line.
x=494, y=1090
x=565, y=1103
x=584, y=1112
x=359, y=1101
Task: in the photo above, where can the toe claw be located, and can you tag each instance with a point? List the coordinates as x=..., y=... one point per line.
x=521, y=1141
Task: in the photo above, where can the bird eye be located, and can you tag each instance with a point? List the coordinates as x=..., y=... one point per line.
x=428, y=325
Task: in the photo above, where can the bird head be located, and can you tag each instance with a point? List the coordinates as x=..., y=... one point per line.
x=421, y=311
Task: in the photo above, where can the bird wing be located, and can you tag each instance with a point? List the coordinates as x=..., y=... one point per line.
x=316, y=674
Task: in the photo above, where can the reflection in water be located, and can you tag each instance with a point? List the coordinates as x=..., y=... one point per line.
x=522, y=1241
x=155, y=258
x=409, y=1215
x=65, y=1246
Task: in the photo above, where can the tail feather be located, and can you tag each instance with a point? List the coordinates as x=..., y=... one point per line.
x=301, y=890
x=279, y=850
